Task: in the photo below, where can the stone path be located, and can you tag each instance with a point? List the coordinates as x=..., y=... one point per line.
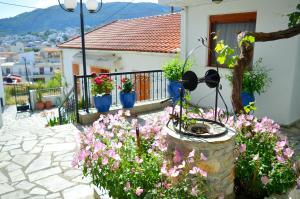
x=35, y=161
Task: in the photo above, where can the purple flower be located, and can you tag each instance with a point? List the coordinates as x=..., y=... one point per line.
x=243, y=148
x=264, y=180
x=139, y=191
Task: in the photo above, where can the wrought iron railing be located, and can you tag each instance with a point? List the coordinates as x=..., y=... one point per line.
x=50, y=91
x=67, y=110
x=149, y=86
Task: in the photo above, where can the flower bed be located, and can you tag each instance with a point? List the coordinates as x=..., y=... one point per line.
x=129, y=162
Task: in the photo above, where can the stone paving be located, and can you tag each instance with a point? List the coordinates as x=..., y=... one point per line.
x=35, y=161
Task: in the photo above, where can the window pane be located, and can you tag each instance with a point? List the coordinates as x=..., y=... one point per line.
x=228, y=32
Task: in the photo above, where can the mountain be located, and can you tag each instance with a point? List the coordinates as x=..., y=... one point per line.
x=56, y=18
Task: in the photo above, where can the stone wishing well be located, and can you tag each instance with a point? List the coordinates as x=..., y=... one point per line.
x=210, y=137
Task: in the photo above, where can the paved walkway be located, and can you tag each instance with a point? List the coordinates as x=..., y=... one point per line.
x=35, y=161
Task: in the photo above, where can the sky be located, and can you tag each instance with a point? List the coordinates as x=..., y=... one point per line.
x=11, y=11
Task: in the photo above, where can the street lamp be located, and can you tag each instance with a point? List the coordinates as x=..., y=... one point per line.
x=25, y=61
x=93, y=7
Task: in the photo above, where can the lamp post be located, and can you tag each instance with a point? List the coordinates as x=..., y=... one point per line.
x=25, y=61
x=93, y=7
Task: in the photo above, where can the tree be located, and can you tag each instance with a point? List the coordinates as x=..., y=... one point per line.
x=245, y=58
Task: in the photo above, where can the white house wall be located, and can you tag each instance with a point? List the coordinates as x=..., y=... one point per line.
x=129, y=61
x=282, y=100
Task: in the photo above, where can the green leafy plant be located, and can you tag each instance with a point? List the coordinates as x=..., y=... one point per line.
x=294, y=18
x=102, y=85
x=255, y=80
x=173, y=69
x=266, y=162
x=127, y=85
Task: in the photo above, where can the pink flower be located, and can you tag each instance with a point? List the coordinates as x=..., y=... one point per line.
x=163, y=169
x=203, y=157
x=288, y=152
x=280, y=145
x=105, y=161
x=243, y=148
x=138, y=160
x=194, y=191
x=264, y=180
x=139, y=191
x=195, y=170
x=173, y=172
x=99, y=146
x=177, y=156
x=82, y=155
x=192, y=154
x=203, y=173
x=127, y=187
x=280, y=159
x=182, y=165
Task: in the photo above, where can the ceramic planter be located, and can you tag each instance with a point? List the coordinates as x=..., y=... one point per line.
x=40, y=106
x=128, y=99
x=247, y=98
x=103, y=103
x=174, y=90
x=48, y=104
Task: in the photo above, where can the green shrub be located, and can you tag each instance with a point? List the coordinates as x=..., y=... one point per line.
x=173, y=69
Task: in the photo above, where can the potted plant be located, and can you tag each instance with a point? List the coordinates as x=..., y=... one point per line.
x=39, y=105
x=48, y=104
x=255, y=80
x=101, y=89
x=173, y=72
x=127, y=94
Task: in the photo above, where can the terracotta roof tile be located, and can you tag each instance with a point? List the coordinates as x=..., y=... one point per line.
x=148, y=34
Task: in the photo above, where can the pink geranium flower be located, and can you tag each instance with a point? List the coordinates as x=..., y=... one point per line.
x=139, y=191
x=264, y=180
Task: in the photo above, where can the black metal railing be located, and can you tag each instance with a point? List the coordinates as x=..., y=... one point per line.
x=50, y=91
x=67, y=110
x=149, y=86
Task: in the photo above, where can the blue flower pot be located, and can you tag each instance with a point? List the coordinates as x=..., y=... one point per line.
x=247, y=98
x=174, y=90
x=103, y=103
x=128, y=99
